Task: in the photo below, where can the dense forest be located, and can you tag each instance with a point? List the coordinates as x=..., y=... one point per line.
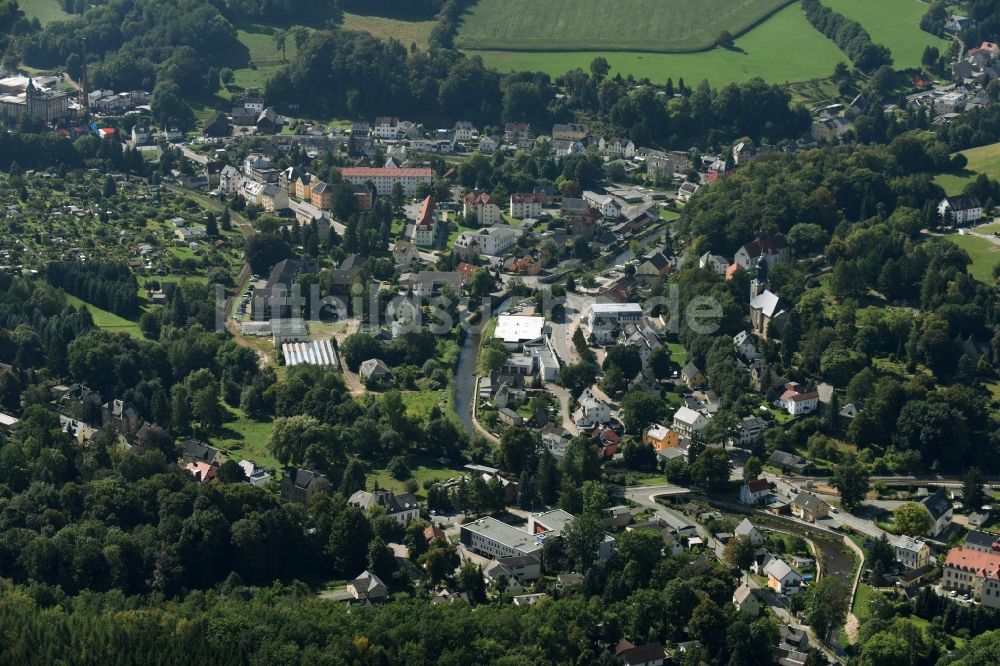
x=111, y=287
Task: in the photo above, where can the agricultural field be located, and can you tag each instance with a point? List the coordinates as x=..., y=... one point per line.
x=405, y=32
x=894, y=23
x=674, y=26
x=984, y=159
x=985, y=255
x=765, y=52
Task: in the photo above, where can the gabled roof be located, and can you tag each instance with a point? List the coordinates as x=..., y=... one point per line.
x=807, y=501
x=937, y=504
x=745, y=527
x=757, y=486
x=780, y=569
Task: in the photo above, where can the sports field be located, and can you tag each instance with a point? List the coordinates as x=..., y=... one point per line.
x=782, y=49
x=611, y=25
x=984, y=159
x=894, y=23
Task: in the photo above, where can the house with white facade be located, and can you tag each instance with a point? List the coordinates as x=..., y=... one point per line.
x=401, y=508
x=384, y=179
x=605, y=203
x=492, y=241
x=744, y=345
x=525, y=205
x=605, y=320
x=912, y=553
x=782, y=578
x=755, y=492
x=964, y=209
x=592, y=411
x=687, y=421
x=482, y=207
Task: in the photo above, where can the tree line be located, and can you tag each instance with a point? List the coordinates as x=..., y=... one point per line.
x=849, y=35
x=109, y=286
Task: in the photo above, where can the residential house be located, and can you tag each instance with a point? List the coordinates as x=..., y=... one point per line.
x=368, y=587
x=196, y=451
x=782, y=578
x=120, y=415
x=606, y=204
x=405, y=254
x=713, y=262
x=746, y=528
x=746, y=601
x=660, y=437
x=641, y=337
x=830, y=129
x=573, y=131
x=939, y=506
x=550, y=524
x=518, y=132
x=255, y=475
x=662, y=166
x=789, y=463
x=301, y=485
x=464, y=131
x=809, y=507
x=480, y=205
x=525, y=205
x=797, y=402
x=692, y=376
x=202, y=472
x=748, y=431
x=374, y=370
x=273, y=198
x=229, y=180
x=743, y=152
x=583, y=223
x=974, y=572
x=964, y=209
x=303, y=186
x=384, y=179
x=687, y=190
x=427, y=230
x=655, y=265
x=386, y=127
x=591, y=412
x=648, y=654
x=491, y=241
x=606, y=320
x=985, y=542
x=566, y=147
x=772, y=248
x=755, y=492
x=912, y=553
x=687, y=421
x=141, y=136
x=745, y=346
x=528, y=262
x=321, y=195
x=519, y=569
x=488, y=145
x=401, y=508
x=617, y=147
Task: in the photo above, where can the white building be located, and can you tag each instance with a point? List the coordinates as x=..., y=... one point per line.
x=490, y=241
x=745, y=347
x=592, y=411
x=465, y=131
x=408, y=178
x=386, y=128
x=525, y=205
x=229, y=180
x=482, y=207
x=515, y=330
x=401, y=508
x=713, y=262
x=605, y=320
x=912, y=553
x=755, y=492
x=747, y=529
x=605, y=203
x=964, y=209
x=687, y=421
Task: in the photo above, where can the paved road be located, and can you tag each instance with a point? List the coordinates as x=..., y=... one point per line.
x=564, y=326
x=564, y=398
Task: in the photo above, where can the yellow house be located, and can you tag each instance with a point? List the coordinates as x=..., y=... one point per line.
x=661, y=437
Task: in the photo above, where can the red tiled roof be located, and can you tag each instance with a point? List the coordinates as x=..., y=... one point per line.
x=371, y=172
x=984, y=565
x=525, y=198
x=426, y=216
x=478, y=198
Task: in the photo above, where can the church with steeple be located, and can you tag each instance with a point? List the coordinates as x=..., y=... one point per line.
x=767, y=310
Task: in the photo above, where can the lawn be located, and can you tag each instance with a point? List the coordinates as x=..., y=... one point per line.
x=984, y=159
x=893, y=23
x=46, y=11
x=783, y=49
x=985, y=255
x=244, y=438
x=419, y=403
x=421, y=473
x=565, y=25
x=405, y=32
x=108, y=321
x=678, y=354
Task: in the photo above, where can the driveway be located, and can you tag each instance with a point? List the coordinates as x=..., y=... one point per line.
x=564, y=398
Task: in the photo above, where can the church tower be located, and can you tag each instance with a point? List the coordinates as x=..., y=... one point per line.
x=760, y=283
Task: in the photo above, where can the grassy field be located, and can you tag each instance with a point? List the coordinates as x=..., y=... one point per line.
x=244, y=438
x=985, y=255
x=894, y=23
x=46, y=11
x=619, y=25
x=108, y=321
x=419, y=403
x=405, y=32
x=783, y=49
x=421, y=473
x=984, y=159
